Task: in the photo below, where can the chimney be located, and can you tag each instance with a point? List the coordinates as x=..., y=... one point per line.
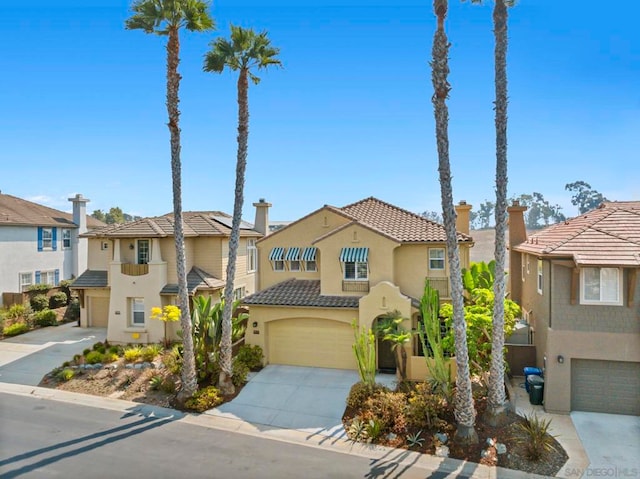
x=261, y=224
x=462, y=217
x=517, y=235
x=79, y=246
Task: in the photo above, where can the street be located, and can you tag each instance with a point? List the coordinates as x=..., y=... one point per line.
x=41, y=438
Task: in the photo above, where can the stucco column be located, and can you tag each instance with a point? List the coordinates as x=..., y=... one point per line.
x=117, y=258
x=156, y=254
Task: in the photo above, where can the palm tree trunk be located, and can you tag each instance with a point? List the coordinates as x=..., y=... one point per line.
x=464, y=409
x=225, y=383
x=189, y=383
x=497, y=400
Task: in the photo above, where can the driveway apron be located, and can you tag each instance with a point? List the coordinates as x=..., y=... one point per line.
x=292, y=397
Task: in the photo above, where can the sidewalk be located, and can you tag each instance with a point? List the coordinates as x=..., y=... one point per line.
x=26, y=358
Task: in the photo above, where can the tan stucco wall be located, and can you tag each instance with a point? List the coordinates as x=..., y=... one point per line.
x=301, y=235
x=581, y=345
x=85, y=303
x=412, y=267
x=98, y=259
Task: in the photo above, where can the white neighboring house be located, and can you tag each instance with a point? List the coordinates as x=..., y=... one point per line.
x=39, y=244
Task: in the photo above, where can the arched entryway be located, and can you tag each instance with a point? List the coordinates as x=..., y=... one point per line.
x=385, y=356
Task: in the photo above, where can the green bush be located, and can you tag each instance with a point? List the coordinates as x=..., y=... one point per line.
x=251, y=355
x=39, y=302
x=73, y=310
x=94, y=357
x=39, y=288
x=65, y=374
x=360, y=392
x=15, y=329
x=58, y=300
x=46, y=317
x=204, y=399
x=86, y=351
x=240, y=372
x=425, y=408
x=16, y=311
x=132, y=353
x=109, y=357
x=150, y=351
x=64, y=287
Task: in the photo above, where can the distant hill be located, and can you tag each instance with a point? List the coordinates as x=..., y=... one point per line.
x=483, y=249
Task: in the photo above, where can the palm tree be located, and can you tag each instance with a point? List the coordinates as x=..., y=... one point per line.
x=246, y=50
x=167, y=17
x=497, y=398
x=464, y=410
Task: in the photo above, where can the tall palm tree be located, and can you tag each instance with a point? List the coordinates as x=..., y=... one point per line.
x=497, y=398
x=246, y=50
x=464, y=411
x=167, y=17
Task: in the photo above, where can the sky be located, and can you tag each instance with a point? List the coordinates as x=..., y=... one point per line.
x=347, y=117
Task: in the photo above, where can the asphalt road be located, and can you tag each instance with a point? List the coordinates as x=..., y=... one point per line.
x=41, y=438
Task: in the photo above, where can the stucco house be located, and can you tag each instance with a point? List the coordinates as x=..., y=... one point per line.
x=40, y=245
x=337, y=265
x=132, y=268
x=577, y=284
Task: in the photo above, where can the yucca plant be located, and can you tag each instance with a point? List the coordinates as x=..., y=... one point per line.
x=537, y=439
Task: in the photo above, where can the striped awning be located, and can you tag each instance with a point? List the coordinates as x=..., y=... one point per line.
x=357, y=255
x=309, y=254
x=277, y=254
x=293, y=254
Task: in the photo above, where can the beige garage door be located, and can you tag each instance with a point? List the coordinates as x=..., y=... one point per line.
x=98, y=312
x=311, y=342
x=605, y=386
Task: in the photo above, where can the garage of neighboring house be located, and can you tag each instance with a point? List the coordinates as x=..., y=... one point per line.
x=98, y=311
x=594, y=383
x=311, y=342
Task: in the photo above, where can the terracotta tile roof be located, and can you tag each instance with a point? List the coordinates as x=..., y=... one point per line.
x=608, y=235
x=399, y=224
x=15, y=211
x=91, y=279
x=297, y=292
x=197, y=279
x=196, y=223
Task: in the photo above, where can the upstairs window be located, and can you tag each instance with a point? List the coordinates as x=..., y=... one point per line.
x=601, y=286
x=356, y=263
x=143, y=252
x=239, y=293
x=436, y=258
x=252, y=256
x=66, y=239
x=277, y=258
x=309, y=259
x=540, y=278
x=293, y=259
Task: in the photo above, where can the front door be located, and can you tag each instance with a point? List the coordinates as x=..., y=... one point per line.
x=386, y=357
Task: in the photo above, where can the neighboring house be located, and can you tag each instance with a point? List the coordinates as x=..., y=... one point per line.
x=577, y=283
x=40, y=244
x=132, y=268
x=337, y=265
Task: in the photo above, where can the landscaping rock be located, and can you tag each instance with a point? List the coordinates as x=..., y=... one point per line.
x=441, y=437
x=442, y=451
x=491, y=441
x=392, y=437
x=484, y=453
x=501, y=448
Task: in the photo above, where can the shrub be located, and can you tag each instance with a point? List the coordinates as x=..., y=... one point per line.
x=168, y=386
x=15, y=329
x=374, y=429
x=204, y=399
x=73, y=310
x=86, y=351
x=94, y=357
x=58, y=300
x=39, y=302
x=425, y=408
x=65, y=374
x=132, y=353
x=173, y=361
x=108, y=357
x=155, y=382
x=240, y=371
x=360, y=392
x=150, y=351
x=16, y=311
x=537, y=439
x=46, y=317
x=39, y=288
x=64, y=287
x=388, y=407
x=251, y=355
x=117, y=350
x=77, y=358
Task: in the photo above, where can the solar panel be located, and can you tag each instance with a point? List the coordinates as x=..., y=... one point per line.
x=227, y=221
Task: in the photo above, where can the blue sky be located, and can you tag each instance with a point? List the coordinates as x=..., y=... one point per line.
x=349, y=116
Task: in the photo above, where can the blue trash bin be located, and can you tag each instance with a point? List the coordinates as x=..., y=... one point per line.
x=530, y=371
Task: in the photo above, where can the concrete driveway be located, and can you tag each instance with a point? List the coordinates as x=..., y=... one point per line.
x=26, y=358
x=611, y=441
x=306, y=399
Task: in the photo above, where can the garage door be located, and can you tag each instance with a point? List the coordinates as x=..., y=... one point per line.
x=98, y=312
x=311, y=342
x=605, y=386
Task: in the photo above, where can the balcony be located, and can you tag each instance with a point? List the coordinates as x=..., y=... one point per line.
x=134, y=269
x=355, y=286
x=441, y=284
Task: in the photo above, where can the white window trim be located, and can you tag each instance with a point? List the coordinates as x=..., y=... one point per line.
x=24, y=286
x=50, y=240
x=138, y=251
x=355, y=266
x=134, y=302
x=66, y=231
x=540, y=277
x=239, y=293
x=252, y=256
x=443, y=259
x=46, y=275
x=620, y=300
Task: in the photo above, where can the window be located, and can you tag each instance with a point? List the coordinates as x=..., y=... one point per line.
x=601, y=286
x=137, y=312
x=143, y=251
x=309, y=259
x=436, y=258
x=47, y=238
x=239, y=293
x=48, y=277
x=104, y=245
x=356, y=263
x=293, y=258
x=540, y=279
x=277, y=258
x=26, y=280
x=252, y=256
x=66, y=239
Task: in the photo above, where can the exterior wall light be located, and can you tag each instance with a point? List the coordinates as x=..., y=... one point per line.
x=560, y=358
x=255, y=324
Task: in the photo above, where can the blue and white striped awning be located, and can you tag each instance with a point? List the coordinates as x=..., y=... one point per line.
x=354, y=255
x=309, y=254
x=293, y=254
x=277, y=254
